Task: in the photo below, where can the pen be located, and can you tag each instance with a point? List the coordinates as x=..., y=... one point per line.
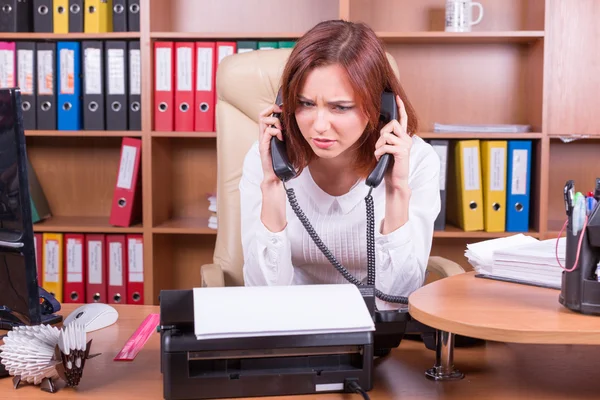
x=590, y=203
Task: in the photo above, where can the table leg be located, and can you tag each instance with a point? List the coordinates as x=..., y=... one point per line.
x=444, y=370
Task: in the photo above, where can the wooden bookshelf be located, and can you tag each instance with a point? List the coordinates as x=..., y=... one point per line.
x=527, y=62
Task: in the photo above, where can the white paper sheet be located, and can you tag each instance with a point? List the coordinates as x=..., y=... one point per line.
x=231, y=312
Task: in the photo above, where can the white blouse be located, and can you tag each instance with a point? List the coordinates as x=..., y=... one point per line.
x=291, y=257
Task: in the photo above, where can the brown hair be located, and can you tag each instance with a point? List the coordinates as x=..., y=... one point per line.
x=357, y=49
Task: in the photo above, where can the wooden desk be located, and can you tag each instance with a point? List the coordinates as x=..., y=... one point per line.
x=496, y=371
x=499, y=311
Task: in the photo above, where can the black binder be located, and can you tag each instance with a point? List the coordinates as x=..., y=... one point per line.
x=115, y=59
x=43, y=19
x=133, y=15
x=135, y=86
x=16, y=15
x=27, y=82
x=119, y=15
x=76, y=16
x=93, y=85
x=46, y=86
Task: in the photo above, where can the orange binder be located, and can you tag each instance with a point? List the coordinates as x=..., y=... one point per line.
x=37, y=244
x=126, y=204
x=184, y=86
x=74, y=268
x=135, y=269
x=204, y=102
x=53, y=264
x=163, y=86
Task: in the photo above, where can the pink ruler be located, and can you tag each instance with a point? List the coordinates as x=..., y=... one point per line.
x=138, y=339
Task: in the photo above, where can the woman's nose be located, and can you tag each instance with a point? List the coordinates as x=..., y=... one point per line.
x=321, y=123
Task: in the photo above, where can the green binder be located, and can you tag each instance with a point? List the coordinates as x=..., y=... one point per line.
x=39, y=204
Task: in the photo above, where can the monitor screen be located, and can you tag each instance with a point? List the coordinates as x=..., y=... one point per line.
x=18, y=272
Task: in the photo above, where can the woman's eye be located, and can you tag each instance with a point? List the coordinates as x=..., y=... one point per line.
x=305, y=103
x=342, y=108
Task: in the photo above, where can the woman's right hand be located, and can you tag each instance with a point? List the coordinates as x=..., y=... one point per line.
x=268, y=126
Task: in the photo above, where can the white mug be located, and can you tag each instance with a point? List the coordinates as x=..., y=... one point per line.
x=459, y=15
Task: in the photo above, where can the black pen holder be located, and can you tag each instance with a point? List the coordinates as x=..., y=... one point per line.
x=580, y=288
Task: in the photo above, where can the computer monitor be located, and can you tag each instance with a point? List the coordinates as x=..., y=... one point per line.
x=21, y=302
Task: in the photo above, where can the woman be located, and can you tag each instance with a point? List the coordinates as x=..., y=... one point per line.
x=332, y=85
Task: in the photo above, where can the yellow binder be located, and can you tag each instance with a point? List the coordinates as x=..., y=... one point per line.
x=98, y=16
x=493, y=162
x=465, y=202
x=60, y=16
x=52, y=256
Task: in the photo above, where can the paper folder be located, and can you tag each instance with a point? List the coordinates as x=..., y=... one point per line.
x=465, y=203
x=518, y=185
x=493, y=164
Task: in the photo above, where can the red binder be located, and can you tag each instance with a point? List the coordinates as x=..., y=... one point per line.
x=116, y=257
x=74, y=268
x=95, y=290
x=185, y=65
x=163, y=86
x=126, y=207
x=37, y=244
x=135, y=269
x=204, y=104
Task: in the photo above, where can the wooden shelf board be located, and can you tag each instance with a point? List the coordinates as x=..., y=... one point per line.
x=226, y=35
x=185, y=225
x=84, y=133
x=469, y=135
x=555, y=136
x=82, y=225
x=454, y=232
x=466, y=37
x=50, y=36
x=184, y=134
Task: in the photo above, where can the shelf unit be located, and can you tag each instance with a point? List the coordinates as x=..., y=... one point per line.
x=515, y=67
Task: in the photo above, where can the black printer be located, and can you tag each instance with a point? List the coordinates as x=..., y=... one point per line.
x=270, y=365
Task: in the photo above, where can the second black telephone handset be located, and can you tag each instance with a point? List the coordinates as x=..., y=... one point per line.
x=286, y=171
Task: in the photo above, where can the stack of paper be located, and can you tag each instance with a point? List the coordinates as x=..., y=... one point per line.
x=237, y=311
x=212, y=209
x=519, y=258
x=485, y=128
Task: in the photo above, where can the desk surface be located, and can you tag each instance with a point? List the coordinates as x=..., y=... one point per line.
x=502, y=311
x=494, y=371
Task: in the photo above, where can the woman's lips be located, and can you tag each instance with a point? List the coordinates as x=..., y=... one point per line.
x=323, y=143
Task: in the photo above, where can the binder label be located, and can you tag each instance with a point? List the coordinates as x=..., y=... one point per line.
x=45, y=72
x=116, y=264
x=519, y=172
x=224, y=51
x=74, y=260
x=67, y=71
x=136, y=260
x=471, y=159
x=95, y=261
x=25, y=71
x=135, y=74
x=93, y=71
x=497, y=170
x=52, y=261
x=7, y=70
x=116, y=71
x=163, y=69
x=442, y=154
x=184, y=69
x=125, y=179
x=204, y=65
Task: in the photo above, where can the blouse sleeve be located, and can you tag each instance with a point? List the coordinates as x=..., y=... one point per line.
x=267, y=255
x=402, y=255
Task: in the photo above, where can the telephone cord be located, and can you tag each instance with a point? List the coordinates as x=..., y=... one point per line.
x=370, y=246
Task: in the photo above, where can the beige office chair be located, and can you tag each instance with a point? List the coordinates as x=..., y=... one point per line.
x=246, y=84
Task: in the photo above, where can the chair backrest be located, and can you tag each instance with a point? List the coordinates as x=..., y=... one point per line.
x=246, y=84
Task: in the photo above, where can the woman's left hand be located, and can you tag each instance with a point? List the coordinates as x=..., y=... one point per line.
x=395, y=141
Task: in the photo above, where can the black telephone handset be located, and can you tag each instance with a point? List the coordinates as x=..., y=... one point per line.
x=285, y=171
x=281, y=164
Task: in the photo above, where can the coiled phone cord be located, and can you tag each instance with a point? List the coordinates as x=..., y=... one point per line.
x=370, y=246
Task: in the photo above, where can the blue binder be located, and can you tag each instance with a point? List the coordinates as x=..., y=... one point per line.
x=518, y=190
x=68, y=73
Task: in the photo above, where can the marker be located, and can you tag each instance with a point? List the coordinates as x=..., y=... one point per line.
x=590, y=202
x=578, y=213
